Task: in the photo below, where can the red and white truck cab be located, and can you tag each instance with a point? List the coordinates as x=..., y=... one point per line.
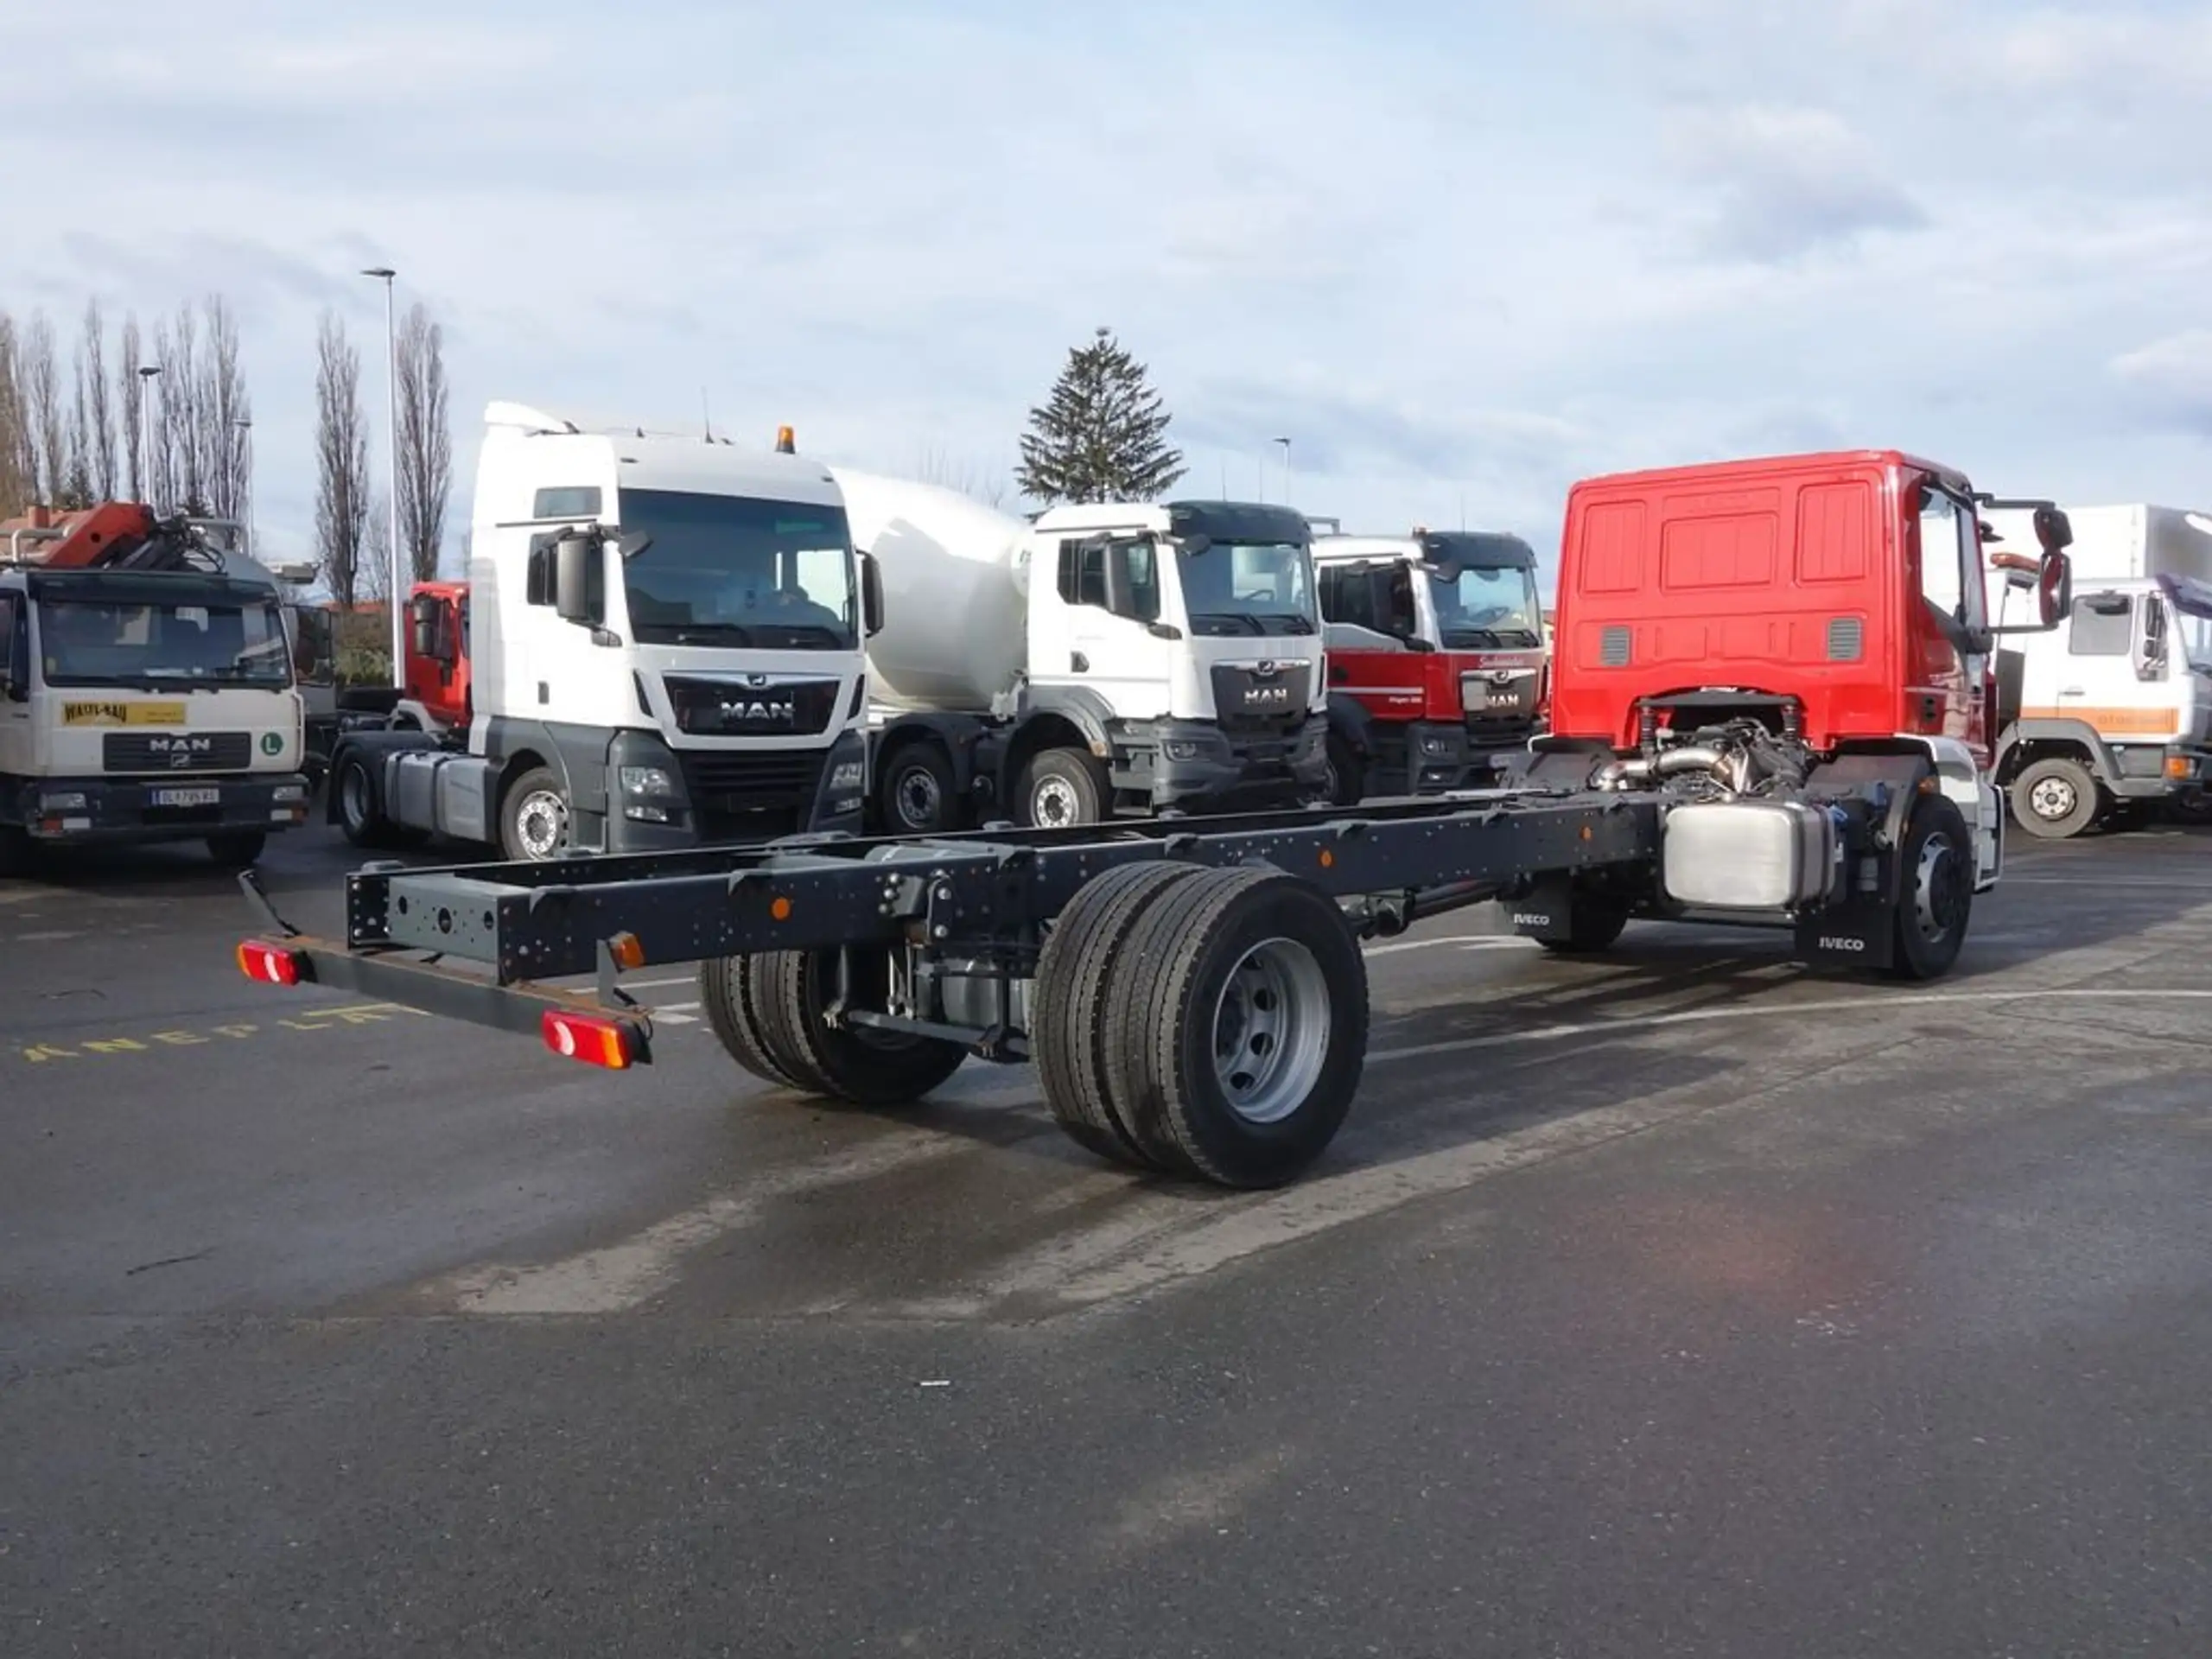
x=1437, y=666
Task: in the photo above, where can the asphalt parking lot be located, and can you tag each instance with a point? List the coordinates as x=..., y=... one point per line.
x=1678, y=1302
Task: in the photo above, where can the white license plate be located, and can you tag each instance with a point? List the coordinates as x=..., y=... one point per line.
x=187, y=796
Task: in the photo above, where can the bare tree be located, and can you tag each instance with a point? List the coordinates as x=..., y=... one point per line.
x=341, y=500
x=182, y=454
x=374, y=578
x=223, y=413
x=76, y=490
x=18, y=465
x=133, y=385
x=425, y=460
x=972, y=479
x=42, y=391
x=99, y=413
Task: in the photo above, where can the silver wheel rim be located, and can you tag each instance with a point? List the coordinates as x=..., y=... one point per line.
x=541, y=823
x=921, y=801
x=1931, y=888
x=2052, y=799
x=1053, y=804
x=353, y=797
x=1271, y=1031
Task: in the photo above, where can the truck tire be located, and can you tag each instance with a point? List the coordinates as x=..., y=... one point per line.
x=360, y=815
x=1068, y=1022
x=2054, y=798
x=1936, y=901
x=1237, y=1026
x=16, y=850
x=852, y=1064
x=915, y=795
x=237, y=849
x=534, y=817
x=1347, y=776
x=730, y=991
x=1062, y=788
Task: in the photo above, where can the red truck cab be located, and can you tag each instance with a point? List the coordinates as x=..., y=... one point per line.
x=1436, y=658
x=437, y=655
x=1795, y=654
x=1848, y=588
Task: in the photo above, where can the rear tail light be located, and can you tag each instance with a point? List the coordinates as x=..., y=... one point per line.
x=272, y=964
x=595, y=1042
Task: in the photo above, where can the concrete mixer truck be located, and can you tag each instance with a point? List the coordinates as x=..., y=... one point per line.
x=1098, y=659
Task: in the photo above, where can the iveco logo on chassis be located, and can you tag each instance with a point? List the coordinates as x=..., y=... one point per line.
x=1839, y=943
x=1531, y=919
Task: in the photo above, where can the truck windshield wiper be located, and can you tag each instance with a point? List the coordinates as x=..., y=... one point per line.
x=1245, y=621
x=829, y=636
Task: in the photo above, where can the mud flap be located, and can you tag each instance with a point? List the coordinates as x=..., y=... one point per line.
x=1545, y=912
x=1862, y=934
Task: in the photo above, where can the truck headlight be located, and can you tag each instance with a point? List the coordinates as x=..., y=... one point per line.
x=1436, y=745
x=848, y=774
x=1182, y=748
x=647, y=780
x=288, y=792
x=71, y=800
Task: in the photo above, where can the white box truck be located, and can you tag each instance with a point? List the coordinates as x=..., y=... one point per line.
x=2108, y=719
x=1116, y=658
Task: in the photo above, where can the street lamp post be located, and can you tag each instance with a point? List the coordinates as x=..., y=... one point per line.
x=147, y=372
x=385, y=273
x=1286, y=469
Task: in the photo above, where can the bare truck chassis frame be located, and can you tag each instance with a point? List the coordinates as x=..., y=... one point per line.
x=868, y=968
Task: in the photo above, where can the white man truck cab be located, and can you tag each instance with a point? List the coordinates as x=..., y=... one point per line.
x=666, y=640
x=1103, y=659
x=146, y=692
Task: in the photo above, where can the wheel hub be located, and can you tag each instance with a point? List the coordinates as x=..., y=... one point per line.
x=921, y=802
x=1271, y=1031
x=2052, y=799
x=1053, y=806
x=542, y=823
x=1939, y=887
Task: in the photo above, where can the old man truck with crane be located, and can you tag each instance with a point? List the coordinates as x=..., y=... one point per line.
x=1772, y=707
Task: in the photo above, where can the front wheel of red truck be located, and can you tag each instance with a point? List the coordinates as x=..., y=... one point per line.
x=1936, y=900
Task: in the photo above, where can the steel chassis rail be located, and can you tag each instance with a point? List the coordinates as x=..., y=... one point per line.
x=528, y=923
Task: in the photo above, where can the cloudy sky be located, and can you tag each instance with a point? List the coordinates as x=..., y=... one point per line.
x=1459, y=255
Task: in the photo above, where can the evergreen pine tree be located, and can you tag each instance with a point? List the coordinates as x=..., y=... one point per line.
x=1101, y=436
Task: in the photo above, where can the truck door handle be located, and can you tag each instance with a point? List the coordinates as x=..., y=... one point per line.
x=2071, y=691
x=1078, y=663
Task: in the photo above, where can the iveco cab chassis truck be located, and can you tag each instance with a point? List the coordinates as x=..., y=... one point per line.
x=1101, y=659
x=1770, y=684
x=146, y=688
x=662, y=640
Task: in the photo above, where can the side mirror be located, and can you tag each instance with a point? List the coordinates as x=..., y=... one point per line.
x=2054, y=579
x=871, y=596
x=423, y=620
x=1405, y=619
x=2150, y=653
x=573, y=558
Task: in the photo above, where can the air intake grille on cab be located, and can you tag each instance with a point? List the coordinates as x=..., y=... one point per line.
x=1846, y=639
x=1613, y=647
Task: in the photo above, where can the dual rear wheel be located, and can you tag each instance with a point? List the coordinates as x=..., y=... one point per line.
x=1201, y=1023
